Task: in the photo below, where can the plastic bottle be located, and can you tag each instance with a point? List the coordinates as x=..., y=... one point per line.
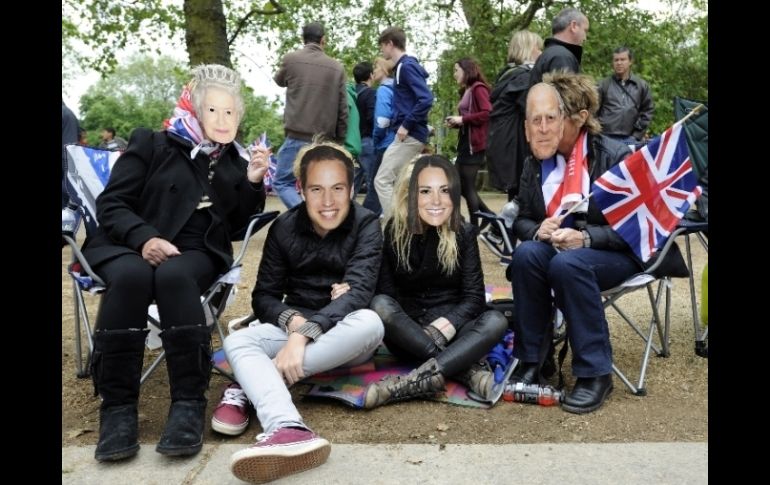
x=509, y=213
x=531, y=393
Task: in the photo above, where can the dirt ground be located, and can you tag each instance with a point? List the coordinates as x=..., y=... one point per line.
x=675, y=409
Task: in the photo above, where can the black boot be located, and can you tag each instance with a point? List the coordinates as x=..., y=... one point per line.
x=188, y=360
x=116, y=369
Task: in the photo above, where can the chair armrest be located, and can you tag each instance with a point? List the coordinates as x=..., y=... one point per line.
x=256, y=222
x=77, y=256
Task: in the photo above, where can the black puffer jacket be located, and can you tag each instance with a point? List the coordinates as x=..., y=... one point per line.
x=603, y=153
x=298, y=263
x=426, y=289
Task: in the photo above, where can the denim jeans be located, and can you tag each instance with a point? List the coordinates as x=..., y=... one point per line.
x=285, y=184
x=577, y=278
x=352, y=341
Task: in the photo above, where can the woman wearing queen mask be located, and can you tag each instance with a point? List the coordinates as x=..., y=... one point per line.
x=166, y=218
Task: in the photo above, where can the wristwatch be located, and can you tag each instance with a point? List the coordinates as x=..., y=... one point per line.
x=586, y=238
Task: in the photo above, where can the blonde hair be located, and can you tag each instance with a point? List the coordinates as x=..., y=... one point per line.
x=578, y=92
x=404, y=222
x=386, y=65
x=522, y=45
x=207, y=76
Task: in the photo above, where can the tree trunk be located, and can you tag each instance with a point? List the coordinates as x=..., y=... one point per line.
x=206, y=32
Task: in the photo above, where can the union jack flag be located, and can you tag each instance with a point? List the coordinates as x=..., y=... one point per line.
x=644, y=196
x=88, y=170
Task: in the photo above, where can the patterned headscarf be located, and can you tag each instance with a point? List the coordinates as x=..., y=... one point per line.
x=184, y=123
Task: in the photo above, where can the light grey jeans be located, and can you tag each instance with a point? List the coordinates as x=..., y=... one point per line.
x=250, y=352
x=398, y=154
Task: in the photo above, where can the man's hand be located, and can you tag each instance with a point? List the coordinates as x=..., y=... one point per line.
x=289, y=359
x=567, y=238
x=547, y=227
x=401, y=133
x=156, y=250
x=296, y=321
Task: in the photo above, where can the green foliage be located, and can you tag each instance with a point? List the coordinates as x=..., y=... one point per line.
x=141, y=93
x=261, y=116
x=106, y=26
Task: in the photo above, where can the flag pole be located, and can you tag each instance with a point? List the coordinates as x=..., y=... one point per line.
x=574, y=207
x=692, y=113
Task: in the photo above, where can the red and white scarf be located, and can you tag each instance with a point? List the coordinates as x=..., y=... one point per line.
x=566, y=183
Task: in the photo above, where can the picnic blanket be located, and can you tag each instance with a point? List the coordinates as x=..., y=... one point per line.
x=349, y=384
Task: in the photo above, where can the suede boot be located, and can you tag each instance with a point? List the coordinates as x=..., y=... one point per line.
x=424, y=381
x=188, y=360
x=116, y=369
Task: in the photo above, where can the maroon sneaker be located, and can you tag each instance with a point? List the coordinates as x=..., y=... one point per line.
x=283, y=452
x=231, y=417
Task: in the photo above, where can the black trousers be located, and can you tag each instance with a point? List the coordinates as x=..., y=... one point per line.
x=406, y=339
x=175, y=286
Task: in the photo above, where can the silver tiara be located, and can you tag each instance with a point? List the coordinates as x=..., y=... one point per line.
x=215, y=73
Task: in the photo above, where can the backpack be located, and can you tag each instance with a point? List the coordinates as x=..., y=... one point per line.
x=353, y=136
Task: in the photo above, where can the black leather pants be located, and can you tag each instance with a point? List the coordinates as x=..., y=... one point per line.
x=406, y=339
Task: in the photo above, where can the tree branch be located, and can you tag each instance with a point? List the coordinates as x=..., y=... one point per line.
x=523, y=20
x=243, y=22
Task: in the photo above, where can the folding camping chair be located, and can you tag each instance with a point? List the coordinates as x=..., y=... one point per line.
x=644, y=280
x=694, y=224
x=88, y=170
x=647, y=280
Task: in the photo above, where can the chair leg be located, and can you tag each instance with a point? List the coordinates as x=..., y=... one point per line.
x=691, y=281
x=80, y=371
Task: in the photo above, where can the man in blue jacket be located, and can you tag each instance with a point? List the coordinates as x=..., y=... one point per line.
x=412, y=101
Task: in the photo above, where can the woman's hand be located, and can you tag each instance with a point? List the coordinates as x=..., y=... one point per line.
x=289, y=359
x=454, y=121
x=339, y=289
x=157, y=250
x=257, y=168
